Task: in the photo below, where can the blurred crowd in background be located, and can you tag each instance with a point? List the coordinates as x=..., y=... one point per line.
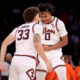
x=11, y=17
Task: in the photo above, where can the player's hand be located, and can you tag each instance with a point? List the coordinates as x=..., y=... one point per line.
x=2, y=67
x=47, y=48
x=49, y=67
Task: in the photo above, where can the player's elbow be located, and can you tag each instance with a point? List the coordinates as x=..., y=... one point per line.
x=66, y=42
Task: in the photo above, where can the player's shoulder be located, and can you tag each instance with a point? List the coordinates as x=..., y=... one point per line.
x=37, y=27
x=16, y=28
x=22, y=25
x=58, y=19
x=26, y=25
x=37, y=24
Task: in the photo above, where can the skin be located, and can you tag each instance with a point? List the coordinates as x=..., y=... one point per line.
x=46, y=17
x=39, y=48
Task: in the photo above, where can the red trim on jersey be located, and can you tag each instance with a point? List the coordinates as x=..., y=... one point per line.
x=53, y=68
x=53, y=19
x=59, y=66
x=62, y=58
x=56, y=25
x=33, y=27
x=29, y=75
x=41, y=70
x=37, y=61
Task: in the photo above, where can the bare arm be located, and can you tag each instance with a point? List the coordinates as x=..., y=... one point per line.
x=10, y=39
x=62, y=43
x=39, y=47
x=40, y=50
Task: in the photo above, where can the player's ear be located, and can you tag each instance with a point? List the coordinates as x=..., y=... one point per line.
x=36, y=17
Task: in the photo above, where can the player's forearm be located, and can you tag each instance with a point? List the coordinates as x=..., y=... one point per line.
x=53, y=47
x=40, y=51
x=10, y=39
x=3, y=51
x=62, y=43
x=59, y=45
x=39, y=48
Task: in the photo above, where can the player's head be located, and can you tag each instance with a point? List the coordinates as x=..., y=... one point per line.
x=30, y=14
x=8, y=57
x=45, y=12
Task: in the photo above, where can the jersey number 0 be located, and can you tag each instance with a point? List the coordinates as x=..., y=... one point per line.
x=47, y=36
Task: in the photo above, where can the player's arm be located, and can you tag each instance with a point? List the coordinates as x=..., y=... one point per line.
x=40, y=50
x=62, y=43
x=63, y=37
x=10, y=39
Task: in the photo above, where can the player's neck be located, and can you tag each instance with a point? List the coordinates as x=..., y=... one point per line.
x=51, y=19
x=34, y=21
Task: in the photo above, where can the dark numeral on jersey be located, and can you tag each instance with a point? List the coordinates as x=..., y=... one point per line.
x=23, y=34
x=47, y=36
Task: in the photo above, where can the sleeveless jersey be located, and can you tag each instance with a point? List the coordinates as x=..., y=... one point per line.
x=24, y=38
x=51, y=35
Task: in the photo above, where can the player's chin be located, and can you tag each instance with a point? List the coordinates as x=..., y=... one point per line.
x=45, y=22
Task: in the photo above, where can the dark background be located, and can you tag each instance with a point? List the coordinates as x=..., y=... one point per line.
x=66, y=10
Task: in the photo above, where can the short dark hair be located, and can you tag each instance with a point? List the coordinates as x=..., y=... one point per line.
x=30, y=13
x=46, y=7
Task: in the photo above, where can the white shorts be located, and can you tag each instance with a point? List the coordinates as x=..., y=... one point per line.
x=55, y=62
x=22, y=68
x=58, y=65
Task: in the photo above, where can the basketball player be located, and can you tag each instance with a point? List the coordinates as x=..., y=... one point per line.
x=54, y=37
x=27, y=37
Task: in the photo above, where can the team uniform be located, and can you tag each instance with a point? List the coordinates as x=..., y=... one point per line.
x=51, y=36
x=23, y=63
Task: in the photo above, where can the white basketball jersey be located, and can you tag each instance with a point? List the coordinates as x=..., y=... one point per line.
x=24, y=38
x=52, y=33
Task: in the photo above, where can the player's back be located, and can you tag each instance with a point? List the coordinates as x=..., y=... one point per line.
x=24, y=39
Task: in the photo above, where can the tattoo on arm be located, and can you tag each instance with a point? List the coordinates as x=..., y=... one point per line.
x=36, y=38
